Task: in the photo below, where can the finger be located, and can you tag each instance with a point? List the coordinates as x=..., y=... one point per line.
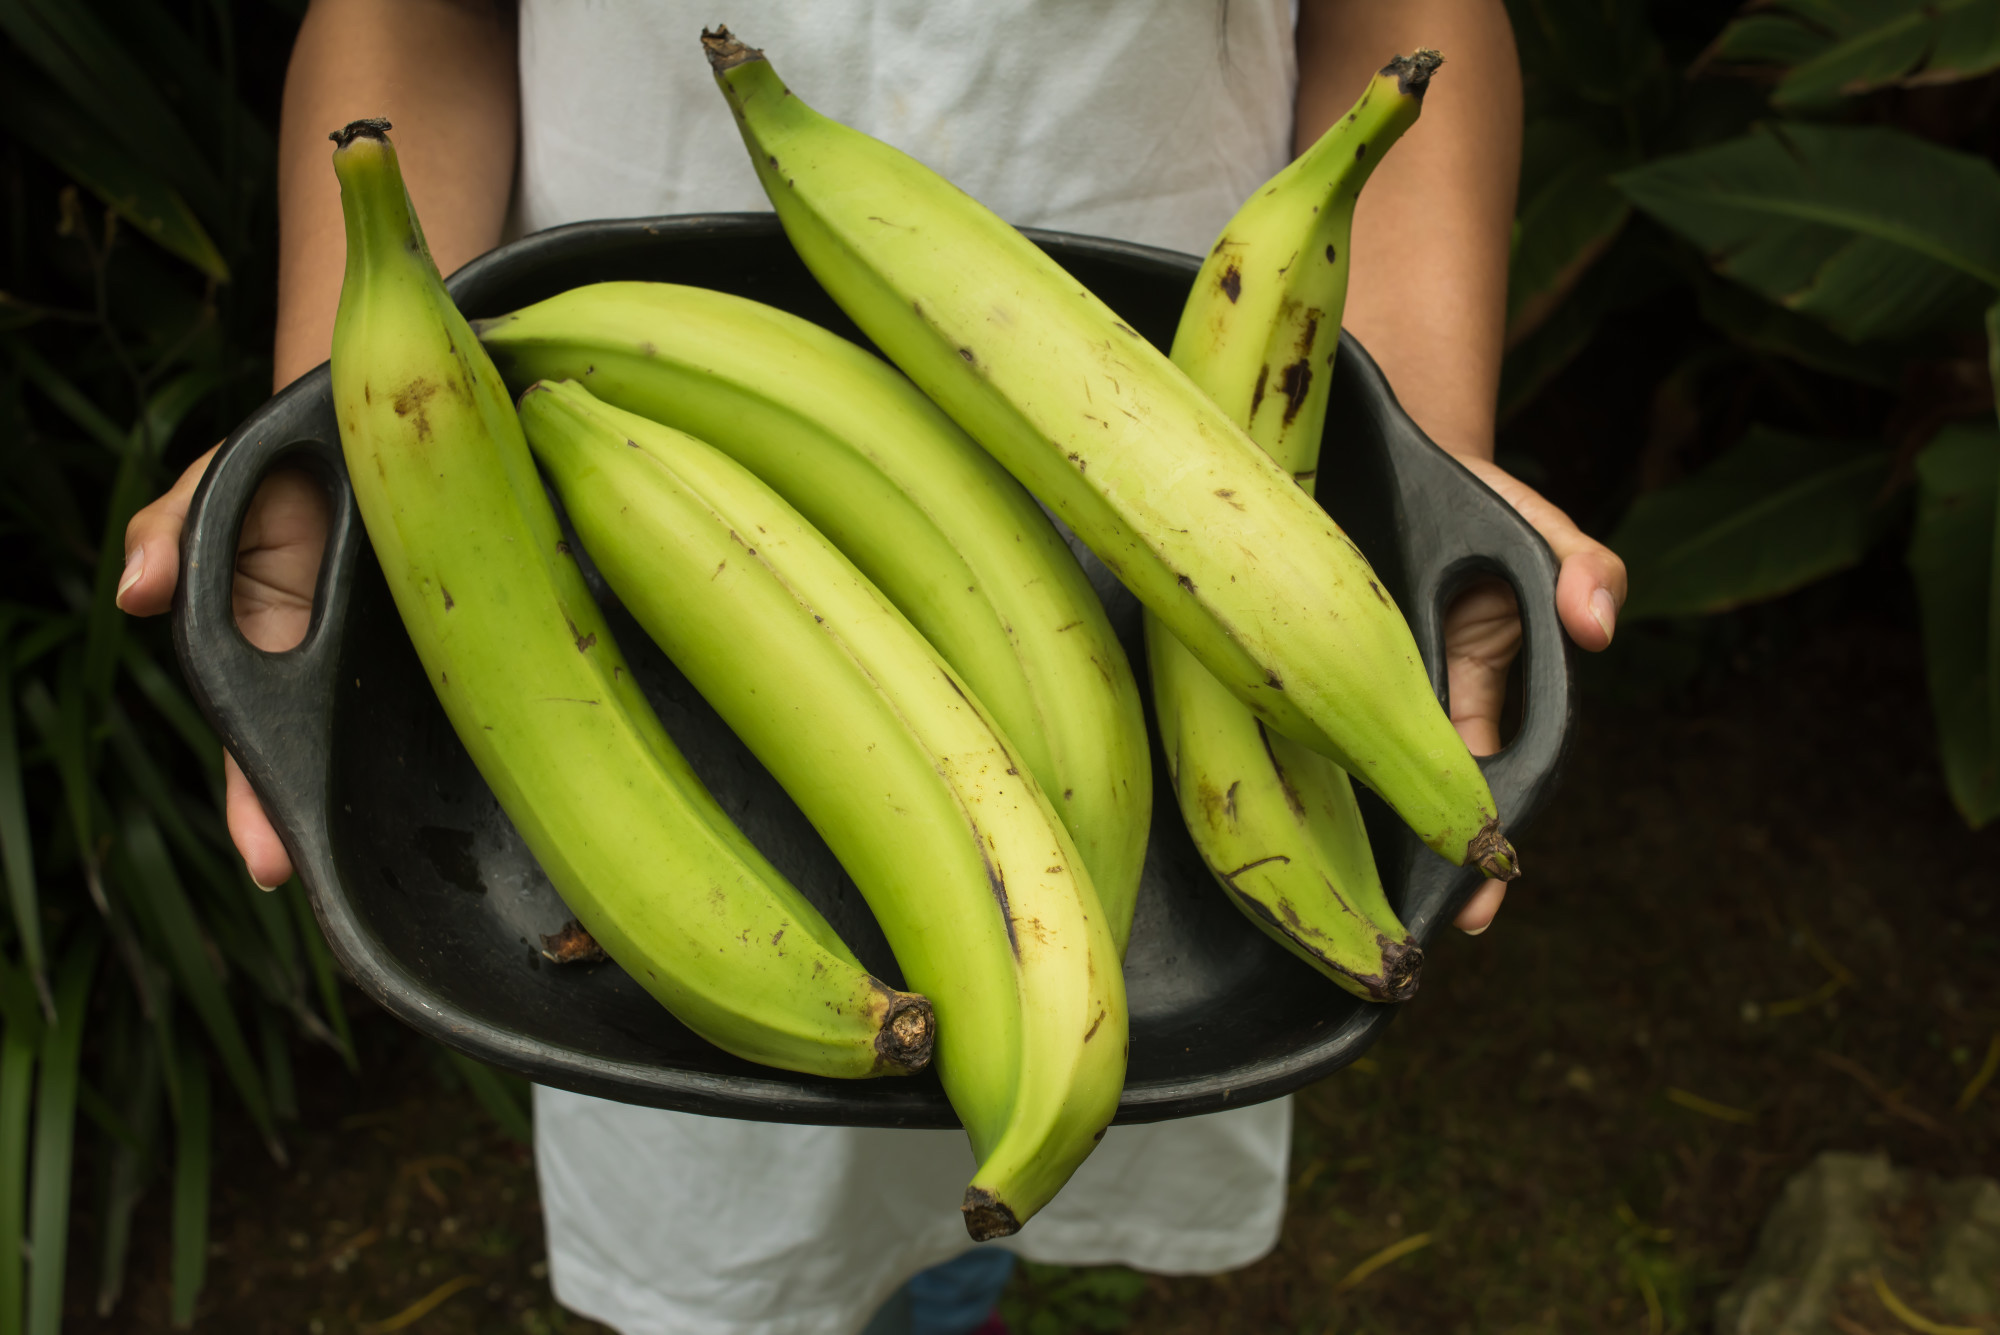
x=1480, y=910
x=1482, y=636
x=1589, y=593
x=1591, y=587
x=264, y=855
x=278, y=556
x=153, y=546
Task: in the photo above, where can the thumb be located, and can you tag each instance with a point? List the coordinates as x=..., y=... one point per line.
x=1591, y=586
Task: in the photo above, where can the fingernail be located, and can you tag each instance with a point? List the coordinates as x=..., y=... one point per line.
x=1604, y=611
x=135, y=568
x=267, y=889
x=1477, y=931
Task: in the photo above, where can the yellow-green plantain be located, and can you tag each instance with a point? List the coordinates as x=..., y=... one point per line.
x=914, y=788
x=526, y=670
x=1276, y=821
x=928, y=516
x=1171, y=495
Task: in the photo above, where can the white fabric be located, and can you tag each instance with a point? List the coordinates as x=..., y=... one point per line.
x=1139, y=119
x=1147, y=120
x=670, y=1224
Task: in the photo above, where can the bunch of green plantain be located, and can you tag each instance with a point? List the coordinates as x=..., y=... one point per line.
x=850, y=564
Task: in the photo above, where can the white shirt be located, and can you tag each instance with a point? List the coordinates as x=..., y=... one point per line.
x=1146, y=120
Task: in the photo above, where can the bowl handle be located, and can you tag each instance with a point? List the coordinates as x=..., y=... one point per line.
x=272, y=710
x=1472, y=533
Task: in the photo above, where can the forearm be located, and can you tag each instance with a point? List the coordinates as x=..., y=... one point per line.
x=1428, y=291
x=443, y=71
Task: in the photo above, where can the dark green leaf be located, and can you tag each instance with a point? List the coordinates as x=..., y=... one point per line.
x=1768, y=40
x=168, y=697
x=16, y=845
x=212, y=111
x=21, y=1006
x=1874, y=232
x=1563, y=227
x=325, y=971
x=1841, y=48
x=278, y=1063
x=157, y=886
x=74, y=403
x=17, y=1087
x=506, y=1107
x=191, y=1174
x=1952, y=560
x=61, y=727
x=41, y=118
x=74, y=50
x=109, y=1120
x=1775, y=513
x=55, y=1137
x=1759, y=324
x=131, y=1068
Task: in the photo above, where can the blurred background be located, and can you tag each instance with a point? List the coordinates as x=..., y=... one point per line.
x=1752, y=333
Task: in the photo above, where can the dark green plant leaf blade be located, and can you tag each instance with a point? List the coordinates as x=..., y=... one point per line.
x=74, y=50
x=73, y=402
x=1775, y=513
x=1767, y=39
x=62, y=732
x=170, y=698
x=1765, y=327
x=132, y=1070
x=191, y=1175
x=1952, y=560
x=205, y=92
x=325, y=970
x=99, y=1110
x=20, y=1005
x=1568, y=218
x=43, y=119
x=1874, y=232
x=505, y=1106
x=278, y=1064
x=55, y=1137
x=147, y=862
x=16, y=844
x=18, y=1048
x=1842, y=48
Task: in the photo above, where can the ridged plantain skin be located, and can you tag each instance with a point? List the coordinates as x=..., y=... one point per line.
x=919, y=794
x=525, y=667
x=1169, y=493
x=928, y=516
x=1275, y=821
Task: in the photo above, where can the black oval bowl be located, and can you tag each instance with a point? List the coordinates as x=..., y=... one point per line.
x=436, y=908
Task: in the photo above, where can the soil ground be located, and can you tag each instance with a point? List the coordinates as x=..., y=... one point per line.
x=1752, y=929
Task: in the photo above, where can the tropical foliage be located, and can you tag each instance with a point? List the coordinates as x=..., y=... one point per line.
x=1787, y=177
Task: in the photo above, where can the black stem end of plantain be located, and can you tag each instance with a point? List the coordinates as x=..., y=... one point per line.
x=1402, y=964
x=1491, y=853
x=908, y=1035
x=1413, y=73
x=724, y=52
x=987, y=1216
x=372, y=128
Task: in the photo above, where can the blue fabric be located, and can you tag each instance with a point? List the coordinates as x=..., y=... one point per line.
x=949, y=1299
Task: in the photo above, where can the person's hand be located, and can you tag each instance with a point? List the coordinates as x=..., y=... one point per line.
x=1482, y=634
x=277, y=566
